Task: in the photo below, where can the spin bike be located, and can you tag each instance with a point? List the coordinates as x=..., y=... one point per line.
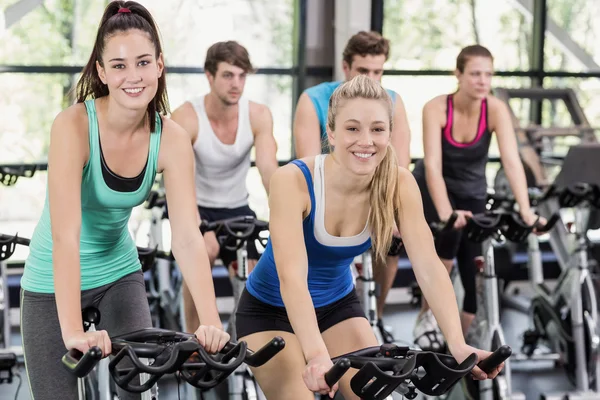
x=566, y=317
x=165, y=280
x=139, y=359
x=494, y=227
x=366, y=286
x=233, y=234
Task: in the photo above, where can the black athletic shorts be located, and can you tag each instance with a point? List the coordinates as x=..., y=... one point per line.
x=254, y=316
x=216, y=214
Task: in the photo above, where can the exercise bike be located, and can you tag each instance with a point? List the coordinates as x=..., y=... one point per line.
x=497, y=225
x=165, y=283
x=566, y=317
x=233, y=234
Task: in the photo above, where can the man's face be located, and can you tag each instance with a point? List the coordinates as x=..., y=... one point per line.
x=370, y=65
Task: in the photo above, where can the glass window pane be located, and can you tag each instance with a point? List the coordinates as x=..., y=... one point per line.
x=62, y=32
x=428, y=34
x=572, y=34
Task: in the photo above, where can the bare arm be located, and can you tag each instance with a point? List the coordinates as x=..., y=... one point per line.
x=401, y=133
x=509, y=154
x=265, y=144
x=307, y=131
x=432, y=146
x=67, y=156
x=185, y=116
x=430, y=273
x=177, y=164
x=288, y=202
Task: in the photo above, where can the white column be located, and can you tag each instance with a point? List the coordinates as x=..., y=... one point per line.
x=351, y=16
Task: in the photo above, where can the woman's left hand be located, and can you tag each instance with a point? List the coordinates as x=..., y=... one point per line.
x=213, y=339
x=461, y=352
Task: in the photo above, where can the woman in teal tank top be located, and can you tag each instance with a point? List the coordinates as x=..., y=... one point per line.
x=104, y=154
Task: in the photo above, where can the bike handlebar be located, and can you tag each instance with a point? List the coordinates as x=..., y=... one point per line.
x=497, y=222
x=170, y=351
x=443, y=226
x=431, y=373
x=236, y=230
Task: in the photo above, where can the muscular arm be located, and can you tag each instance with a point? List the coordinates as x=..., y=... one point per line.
x=67, y=156
x=509, y=154
x=306, y=131
x=264, y=144
x=401, y=133
x=176, y=161
x=185, y=116
x=287, y=203
x=430, y=273
x=432, y=147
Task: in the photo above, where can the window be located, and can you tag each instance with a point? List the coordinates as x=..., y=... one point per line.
x=60, y=32
x=429, y=34
x=572, y=34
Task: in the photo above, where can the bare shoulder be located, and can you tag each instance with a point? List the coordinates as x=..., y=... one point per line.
x=186, y=110
x=172, y=131
x=405, y=178
x=72, y=120
x=258, y=110
x=496, y=105
x=437, y=104
x=289, y=180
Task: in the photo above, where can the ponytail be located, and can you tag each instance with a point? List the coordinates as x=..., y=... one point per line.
x=384, y=205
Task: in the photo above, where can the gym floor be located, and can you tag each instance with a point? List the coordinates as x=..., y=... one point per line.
x=532, y=378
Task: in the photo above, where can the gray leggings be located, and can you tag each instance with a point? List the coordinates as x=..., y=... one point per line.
x=123, y=308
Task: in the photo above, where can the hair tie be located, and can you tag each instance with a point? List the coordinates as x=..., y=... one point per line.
x=124, y=10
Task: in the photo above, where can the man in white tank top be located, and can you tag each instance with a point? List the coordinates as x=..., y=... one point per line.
x=224, y=126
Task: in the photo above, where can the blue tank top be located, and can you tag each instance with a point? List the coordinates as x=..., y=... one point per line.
x=320, y=94
x=329, y=274
x=463, y=164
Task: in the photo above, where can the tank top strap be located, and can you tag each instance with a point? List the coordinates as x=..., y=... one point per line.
x=309, y=182
x=93, y=133
x=154, y=151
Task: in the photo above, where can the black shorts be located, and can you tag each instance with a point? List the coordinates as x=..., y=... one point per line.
x=216, y=214
x=254, y=316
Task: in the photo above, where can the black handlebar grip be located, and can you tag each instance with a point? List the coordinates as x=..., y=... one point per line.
x=81, y=364
x=496, y=358
x=337, y=371
x=265, y=353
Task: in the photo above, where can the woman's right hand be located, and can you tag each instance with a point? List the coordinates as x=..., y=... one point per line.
x=314, y=376
x=82, y=341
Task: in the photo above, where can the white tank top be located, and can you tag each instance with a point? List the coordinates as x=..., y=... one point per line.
x=221, y=169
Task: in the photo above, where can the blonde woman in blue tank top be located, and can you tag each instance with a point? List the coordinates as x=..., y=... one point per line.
x=324, y=211
x=104, y=154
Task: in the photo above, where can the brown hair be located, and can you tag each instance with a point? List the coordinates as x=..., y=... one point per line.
x=230, y=52
x=113, y=22
x=366, y=43
x=384, y=185
x=475, y=50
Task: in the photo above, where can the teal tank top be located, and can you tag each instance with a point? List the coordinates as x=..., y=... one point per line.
x=107, y=250
x=320, y=94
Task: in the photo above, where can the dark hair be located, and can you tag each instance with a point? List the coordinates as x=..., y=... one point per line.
x=366, y=43
x=475, y=50
x=113, y=21
x=230, y=52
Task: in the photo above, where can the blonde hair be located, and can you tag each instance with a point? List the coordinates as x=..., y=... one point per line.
x=384, y=197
